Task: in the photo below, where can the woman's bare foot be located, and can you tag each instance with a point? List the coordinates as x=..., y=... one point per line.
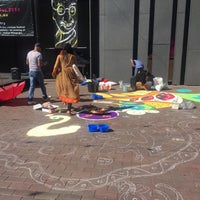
x=68, y=113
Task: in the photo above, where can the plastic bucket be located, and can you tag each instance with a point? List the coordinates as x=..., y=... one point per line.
x=16, y=74
x=126, y=87
x=93, y=86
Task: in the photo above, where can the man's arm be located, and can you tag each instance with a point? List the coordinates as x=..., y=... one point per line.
x=27, y=62
x=41, y=63
x=132, y=62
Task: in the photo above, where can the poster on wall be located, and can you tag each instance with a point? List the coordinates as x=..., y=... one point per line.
x=64, y=15
x=16, y=18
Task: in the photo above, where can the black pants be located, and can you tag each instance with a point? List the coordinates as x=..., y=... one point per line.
x=133, y=82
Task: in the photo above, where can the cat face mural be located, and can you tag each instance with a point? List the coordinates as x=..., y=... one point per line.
x=65, y=21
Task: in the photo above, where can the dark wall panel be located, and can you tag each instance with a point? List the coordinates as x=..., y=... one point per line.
x=14, y=49
x=192, y=71
x=178, y=51
x=161, y=39
x=116, y=39
x=13, y=52
x=143, y=38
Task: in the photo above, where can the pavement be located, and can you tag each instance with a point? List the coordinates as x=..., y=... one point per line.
x=147, y=154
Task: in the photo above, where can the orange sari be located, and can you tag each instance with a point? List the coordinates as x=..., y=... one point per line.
x=67, y=84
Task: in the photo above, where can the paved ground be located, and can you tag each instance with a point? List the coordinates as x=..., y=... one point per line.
x=145, y=156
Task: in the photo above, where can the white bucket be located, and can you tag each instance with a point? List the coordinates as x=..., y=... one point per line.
x=125, y=87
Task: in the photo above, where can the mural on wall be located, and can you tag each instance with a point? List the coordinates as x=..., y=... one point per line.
x=16, y=18
x=65, y=22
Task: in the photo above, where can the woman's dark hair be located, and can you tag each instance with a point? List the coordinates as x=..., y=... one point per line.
x=68, y=48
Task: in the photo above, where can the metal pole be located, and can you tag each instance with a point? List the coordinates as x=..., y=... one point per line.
x=90, y=37
x=35, y=5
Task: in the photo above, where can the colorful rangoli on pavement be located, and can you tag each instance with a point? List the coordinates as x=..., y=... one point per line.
x=189, y=97
x=91, y=116
x=144, y=100
x=141, y=102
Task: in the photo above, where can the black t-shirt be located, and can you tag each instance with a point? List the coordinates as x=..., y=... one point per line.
x=141, y=76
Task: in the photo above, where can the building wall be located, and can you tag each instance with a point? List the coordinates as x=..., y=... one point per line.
x=116, y=39
x=13, y=50
x=120, y=30
x=161, y=38
x=159, y=26
x=180, y=22
x=192, y=71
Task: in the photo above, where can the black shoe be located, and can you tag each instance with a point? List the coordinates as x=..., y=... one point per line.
x=47, y=98
x=31, y=102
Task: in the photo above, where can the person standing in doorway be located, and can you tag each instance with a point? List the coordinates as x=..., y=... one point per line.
x=35, y=62
x=67, y=83
x=136, y=64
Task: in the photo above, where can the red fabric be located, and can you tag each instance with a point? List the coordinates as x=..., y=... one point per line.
x=11, y=91
x=69, y=100
x=18, y=88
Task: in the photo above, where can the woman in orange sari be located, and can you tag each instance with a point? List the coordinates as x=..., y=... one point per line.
x=67, y=83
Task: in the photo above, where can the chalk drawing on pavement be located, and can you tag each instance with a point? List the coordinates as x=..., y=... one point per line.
x=177, y=144
x=48, y=129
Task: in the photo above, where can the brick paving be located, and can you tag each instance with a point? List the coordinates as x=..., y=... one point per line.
x=154, y=156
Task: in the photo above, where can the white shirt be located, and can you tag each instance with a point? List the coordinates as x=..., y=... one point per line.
x=33, y=57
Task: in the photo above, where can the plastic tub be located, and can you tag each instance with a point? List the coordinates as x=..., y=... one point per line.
x=93, y=87
x=98, y=128
x=93, y=128
x=103, y=128
x=126, y=87
x=16, y=74
x=95, y=96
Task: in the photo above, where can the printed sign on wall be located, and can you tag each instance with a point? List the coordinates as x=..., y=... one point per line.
x=16, y=18
x=65, y=22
